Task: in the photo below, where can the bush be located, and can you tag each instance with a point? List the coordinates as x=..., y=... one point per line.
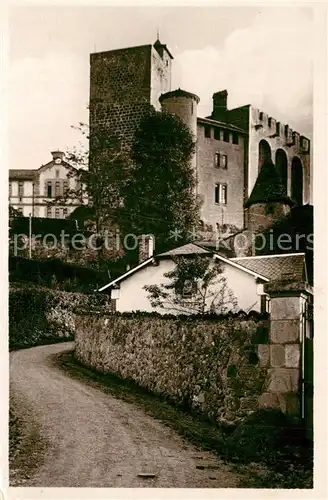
x=40, y=315
x=265, y=435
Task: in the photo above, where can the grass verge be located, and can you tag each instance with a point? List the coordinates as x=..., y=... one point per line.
x=285, y=462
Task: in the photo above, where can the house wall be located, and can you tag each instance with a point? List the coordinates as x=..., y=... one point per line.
x=132, y=296
x=208, y=176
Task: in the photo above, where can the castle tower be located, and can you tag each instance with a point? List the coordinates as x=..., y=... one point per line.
x=184, y=105
x=124, y=85
x=268, y=200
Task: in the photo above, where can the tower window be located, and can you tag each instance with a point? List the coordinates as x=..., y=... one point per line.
x=226, y=136
x=65, y=186
x=57, y=213
x=234, y=138
x=221, y=191
x=221, y=160
x=207, y=132
x=217, y=134
x=49, y=212
x=57, y=173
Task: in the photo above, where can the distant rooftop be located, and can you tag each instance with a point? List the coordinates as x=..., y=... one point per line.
x=276, y=267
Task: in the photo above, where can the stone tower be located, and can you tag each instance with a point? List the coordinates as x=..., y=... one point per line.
x=124, y=84
x=184, y=105
x=268, y=200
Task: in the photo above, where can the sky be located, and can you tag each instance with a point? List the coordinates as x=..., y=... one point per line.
x=261, y=55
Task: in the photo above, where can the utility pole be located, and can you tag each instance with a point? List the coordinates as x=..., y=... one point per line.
x=30, y=236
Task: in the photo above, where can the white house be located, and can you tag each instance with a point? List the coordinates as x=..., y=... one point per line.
x=30, y=191
x=245, y=277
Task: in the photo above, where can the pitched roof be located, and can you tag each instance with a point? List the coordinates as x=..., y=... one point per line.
x=268, y=187
x=178, y=93
x=188, y=249
x=221, y=124
x=276, y=267
x=22, y=174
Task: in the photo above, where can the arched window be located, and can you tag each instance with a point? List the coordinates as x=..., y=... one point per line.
x=264, y=152
x=297, y=181
x=282, y=166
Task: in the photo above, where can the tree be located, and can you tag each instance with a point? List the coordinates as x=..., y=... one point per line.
x=100, y=179
x=196, y=285
x=159, y=195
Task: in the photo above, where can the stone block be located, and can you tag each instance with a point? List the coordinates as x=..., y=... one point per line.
x=285, y=307
x=263, y=352
x=269, y=400
x=284, y=332
x=292, y=355
x=283, y=380
x=277, y=355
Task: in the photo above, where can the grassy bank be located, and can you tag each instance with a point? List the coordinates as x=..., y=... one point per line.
x=268, y=450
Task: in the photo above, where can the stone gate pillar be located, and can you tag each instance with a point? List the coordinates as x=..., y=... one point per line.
x=283, y=356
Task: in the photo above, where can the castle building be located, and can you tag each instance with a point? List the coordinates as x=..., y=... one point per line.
x=32, y=191
x=231, y=145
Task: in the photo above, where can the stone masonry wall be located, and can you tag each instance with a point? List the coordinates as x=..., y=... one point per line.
x=120, y=82
x=208, y=364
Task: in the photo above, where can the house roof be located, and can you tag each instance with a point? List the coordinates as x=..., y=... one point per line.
x=188, y=249
x=277, y=267
x=22, y=174
x=268, y=187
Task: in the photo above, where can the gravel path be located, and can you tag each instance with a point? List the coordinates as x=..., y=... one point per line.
x=95, y=440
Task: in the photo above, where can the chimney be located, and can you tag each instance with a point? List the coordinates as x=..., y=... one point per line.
x=219, y=103
x=146, y=247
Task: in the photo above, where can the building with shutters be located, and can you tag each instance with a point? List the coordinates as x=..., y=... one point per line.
x=32, y=192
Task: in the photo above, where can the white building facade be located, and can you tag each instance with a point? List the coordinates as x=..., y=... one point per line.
x=31, y=192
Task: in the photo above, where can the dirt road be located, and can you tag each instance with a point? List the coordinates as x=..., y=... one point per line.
x=95, y=440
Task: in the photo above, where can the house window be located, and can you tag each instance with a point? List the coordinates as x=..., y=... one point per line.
x=220, y=160
x=49, y=189
x=57, y=188
x=221, y=191
x=226, y=136
x=189, y=289
x=235, y=138
x=21, y=189
x=65, y=186
x=207, y=132
x=269, y=209
x=65, y=211
x=49, y=212
x=57, y=213
x=217, y=134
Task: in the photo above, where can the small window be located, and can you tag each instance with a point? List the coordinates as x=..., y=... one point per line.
x=65, y=211
x=57, y=173
x=235, y=138
x=21, y=189
x=217, y=134
x=49, y=212
x=65, y=186
x=221, y=191
x=224, y=194
x=207, y=132
x=223, y=161
x=10, y=189
x=217, y=193
x=49, y=189
x=57, y=188
x=189, y=289
x=226, y=136
x=57, y=213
